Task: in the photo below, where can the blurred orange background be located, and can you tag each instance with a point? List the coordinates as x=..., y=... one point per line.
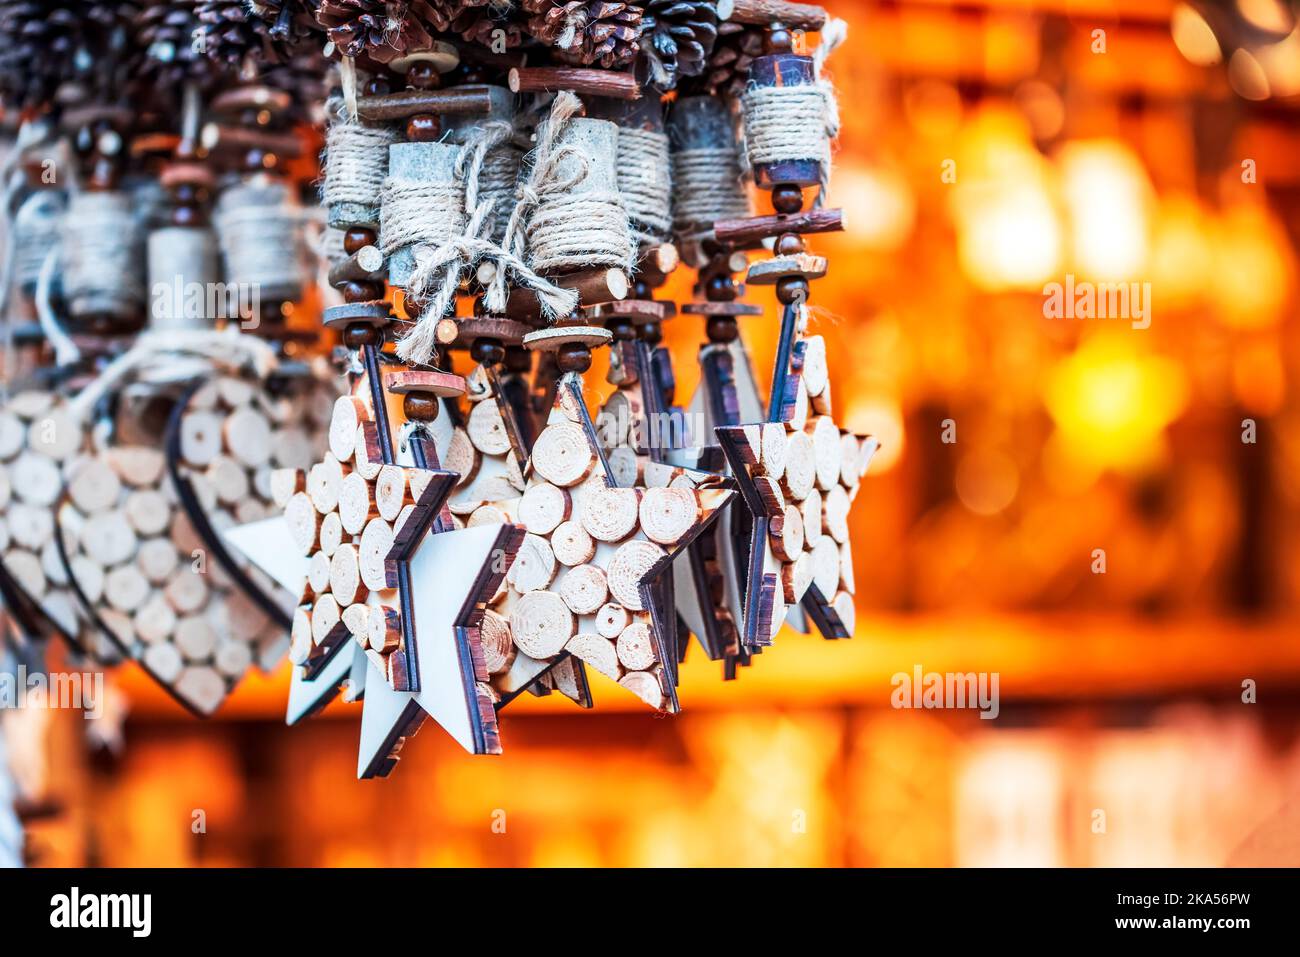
x=989, y=147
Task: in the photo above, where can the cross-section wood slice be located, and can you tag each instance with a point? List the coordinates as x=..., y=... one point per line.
x=631, y=563
x=562, y=455
x=541, y=624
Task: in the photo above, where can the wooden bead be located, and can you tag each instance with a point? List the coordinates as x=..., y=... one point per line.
x=573, y=357
x=787, y=198
x=357, y=238
x=420, y=407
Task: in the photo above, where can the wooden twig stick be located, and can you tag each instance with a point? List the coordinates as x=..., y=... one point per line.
x=585, y=82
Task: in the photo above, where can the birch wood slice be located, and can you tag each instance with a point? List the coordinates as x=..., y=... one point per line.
x=6, y=489
x=611, y=619
x=318, y=573
x=202, y=687
x=35, y=479
x=300, y=637
x=572, y=544
x=285, y=483
x=147, y=511
x=769, y=491
x=331, y=533
x=609, y=514
x=355, y=504
x=89, y=576
x=234, y=391
x=798, y=417
x=356, y=619
x=624, y=466
x=826, y=566
x=303, y=521
x=811, y=510
x=201, y=438
x=52, y=565
x=126, y=588
x=668, y=514
x=390, y=492
x=345, y=576
x=787, y=543
x=488, y=515
x=154, y=621
x=534, y=564
x=846, y=568
x=13, y=435
x=30, y=527
x=498, y=647
x=461, y=457
x=584, y=589
x=826, y=452
x=615, y=421
x=543, y=507
x=108, y=538
x=562, y=455
x=348, y=413
x=325, y=617
x=323, y=483
x=796, y=577
x=232, y=658
x=292, y=448
x=636, y=647
x=846, y=610
x=774, y=443
x=541, y=624
x=596, y=651
x=195, y=638
x=26, y=570
x=487, y=430
x=835, y=513
x=164, y=660
x=645, y=686
x=630, y=564
x=55, y=435
x=814, y=365
x=801, y=466
x=385, y=632
x=372, y=555
x=187, y=592
x=137, y=466
x=228, y=479
x=248, y=437
x=851, y=466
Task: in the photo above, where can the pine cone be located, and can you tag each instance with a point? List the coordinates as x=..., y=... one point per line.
x=288, y=20
x=728, y=66
x=230, y=34
x=488, y=26
x=167, y=36
x=677, y=37
x=587, y=31
x=37, y=49
x=380, y=29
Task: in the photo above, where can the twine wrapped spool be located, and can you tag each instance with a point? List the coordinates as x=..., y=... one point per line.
x=786, y=110
x=585, y=223
x=644, y=167
x=37, y=227
x=356, y=162
x=499, y=173
x=257, y=225
x=709, y=184
x=103, y=268
x=423, y=204
x=183, y=268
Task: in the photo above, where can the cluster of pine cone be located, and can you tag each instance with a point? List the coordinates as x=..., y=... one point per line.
x=168, y=43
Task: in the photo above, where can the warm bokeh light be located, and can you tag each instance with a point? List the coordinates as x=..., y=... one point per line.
x=1193, y=36
x=1106, y=194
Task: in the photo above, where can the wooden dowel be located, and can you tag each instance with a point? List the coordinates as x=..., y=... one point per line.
x=458, y=101
x=797, y=16
x=365, y=264
x=618, y=86
x=218, y=136
x=661, y=259
x=753, y=229
x=593, y=286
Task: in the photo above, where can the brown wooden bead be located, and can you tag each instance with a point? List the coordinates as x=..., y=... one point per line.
x=778, y=40
x=423, y=128
x=787, y=198
x=357, y=238
x=487, y=351
x=518, y=359
x=356, y=291
x=622, y=328
x=653, y=333
x=788, y=244
x=720, y=289
x=423, y=75
x=573, y=357
x=362, y=334
x=420, y=406
x=791, y=289
x=722, y=329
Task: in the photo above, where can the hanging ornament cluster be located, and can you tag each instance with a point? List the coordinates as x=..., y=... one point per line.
x=451, y=519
